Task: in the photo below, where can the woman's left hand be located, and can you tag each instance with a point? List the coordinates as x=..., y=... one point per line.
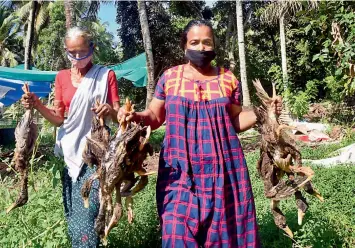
x=103, y=110
x=277, y=104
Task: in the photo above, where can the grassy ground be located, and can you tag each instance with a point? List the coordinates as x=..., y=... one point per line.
x=41, y=223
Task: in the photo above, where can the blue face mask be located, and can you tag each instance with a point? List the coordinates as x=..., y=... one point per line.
x=72, y=56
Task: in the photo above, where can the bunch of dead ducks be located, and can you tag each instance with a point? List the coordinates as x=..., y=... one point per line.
x=117, y=159
x=279, y=157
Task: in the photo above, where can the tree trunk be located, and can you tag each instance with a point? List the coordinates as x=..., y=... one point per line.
x=29, y=35
x=69, y=13
x=230, y=42
x=231, y=57
x=148, y=50
x=241, y=48
x=283, y=51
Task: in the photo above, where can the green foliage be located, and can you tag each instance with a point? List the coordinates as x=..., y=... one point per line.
x=14, y=111
x=38, y=224
x=276, y=75
x=299, y=103
x=50, y=53
x=10, y=41
x=157, y=137
x=335, y=56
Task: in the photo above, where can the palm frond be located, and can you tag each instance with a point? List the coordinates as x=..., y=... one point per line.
x=8, y=58
x=275, y=9
x=42, y=16
x=9, y=27
x=93, y=10
x=24, y=12
x=271, y=13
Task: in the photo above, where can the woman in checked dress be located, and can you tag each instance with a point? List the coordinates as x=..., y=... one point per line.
x=204, y=193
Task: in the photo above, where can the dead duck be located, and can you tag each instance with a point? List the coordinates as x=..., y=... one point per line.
x=25, y=135
x=91, y=156
x=119, y=159
x=280, y=156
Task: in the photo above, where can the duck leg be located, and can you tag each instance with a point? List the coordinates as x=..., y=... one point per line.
x=308, y=187
x=117, y=212
x=100, y=219
x=279, y=218
x=302, y=206
x=129, y=204
x=109, y=211
x=143, y=181
x=129, y=182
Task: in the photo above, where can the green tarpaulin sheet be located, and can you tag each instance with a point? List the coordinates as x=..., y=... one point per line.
x=133, y=69
x=27, y=75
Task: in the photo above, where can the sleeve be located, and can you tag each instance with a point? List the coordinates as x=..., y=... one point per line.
x=112, y=93
x=58, y=104
x=237, y=95
x=160, y=88
x=58, y=93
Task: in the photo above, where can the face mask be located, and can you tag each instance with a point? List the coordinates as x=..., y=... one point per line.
x=80, y=63
x=200, y=59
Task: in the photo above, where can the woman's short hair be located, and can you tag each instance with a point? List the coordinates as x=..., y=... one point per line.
x=193, y=23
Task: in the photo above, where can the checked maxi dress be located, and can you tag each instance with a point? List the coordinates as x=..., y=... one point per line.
x=204, y=194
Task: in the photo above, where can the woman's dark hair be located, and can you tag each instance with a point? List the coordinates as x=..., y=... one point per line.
x=193, y=23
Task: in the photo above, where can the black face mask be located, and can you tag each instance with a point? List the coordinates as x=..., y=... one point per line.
x=200, y=59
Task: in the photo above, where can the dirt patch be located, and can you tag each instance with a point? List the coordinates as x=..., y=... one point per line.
x=336, y=133
x=317, y=111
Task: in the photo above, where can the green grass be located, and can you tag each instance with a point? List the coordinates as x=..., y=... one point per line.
x=40, y=223
x=156, y=138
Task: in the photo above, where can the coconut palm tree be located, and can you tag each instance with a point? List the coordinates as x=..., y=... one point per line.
x=9, y=40
x=30, y=34
x=68, y=6
x=280, y=11
x=34, y=15
x=81, y=10
x=148, y=50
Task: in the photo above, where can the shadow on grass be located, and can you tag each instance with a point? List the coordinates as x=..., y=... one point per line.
x=316, y=232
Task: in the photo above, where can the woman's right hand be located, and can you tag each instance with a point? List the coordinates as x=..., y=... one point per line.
x=29, y=100
x=123, y=114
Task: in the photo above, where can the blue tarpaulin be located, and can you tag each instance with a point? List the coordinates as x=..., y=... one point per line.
x=14, y=89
